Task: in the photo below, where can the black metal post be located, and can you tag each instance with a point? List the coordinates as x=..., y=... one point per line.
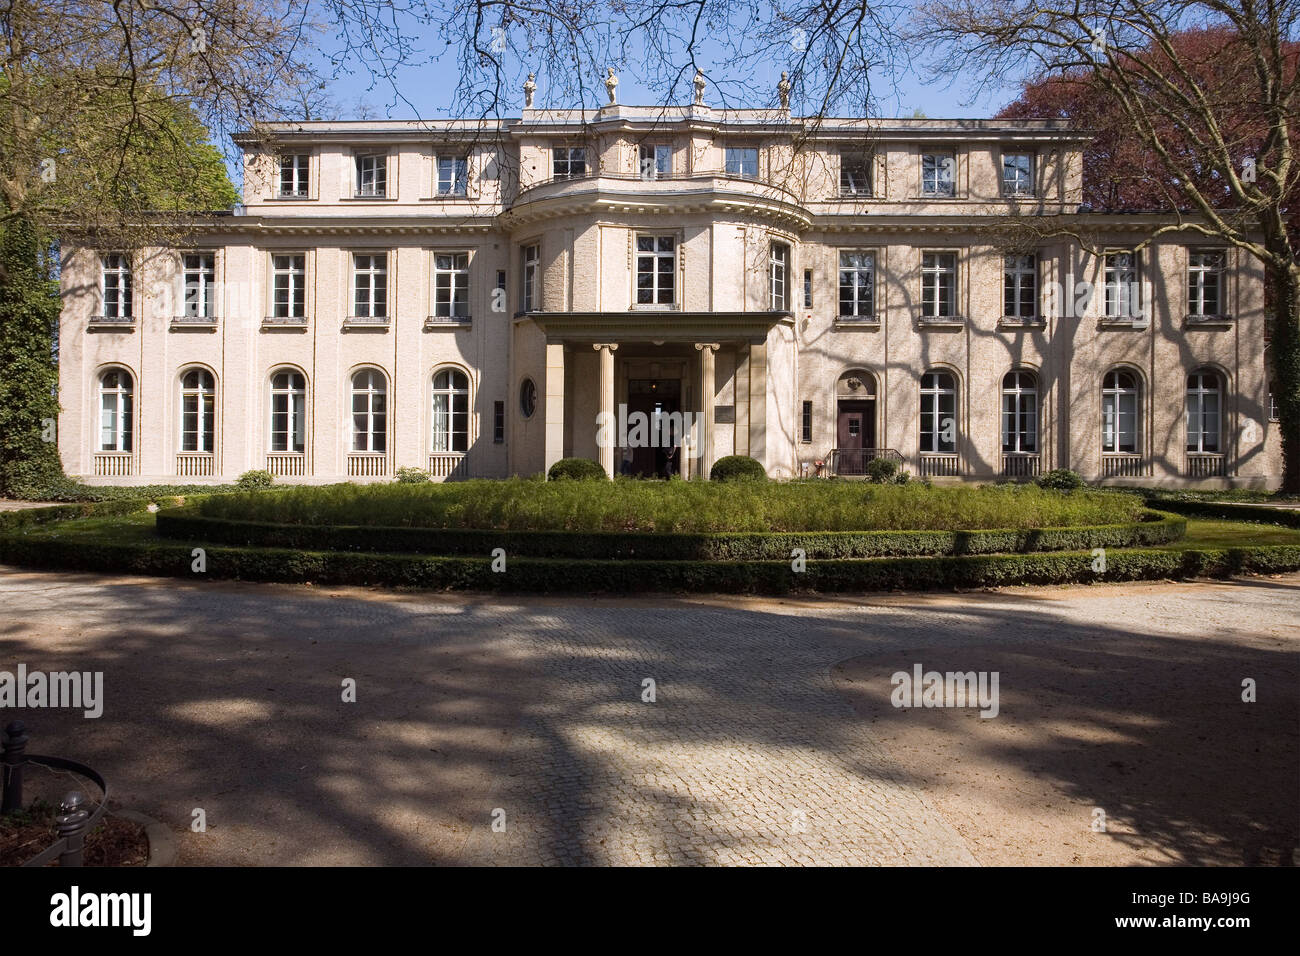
x=11, y=764
x=71, y=826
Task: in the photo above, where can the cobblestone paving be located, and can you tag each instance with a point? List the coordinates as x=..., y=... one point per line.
x=746, y=756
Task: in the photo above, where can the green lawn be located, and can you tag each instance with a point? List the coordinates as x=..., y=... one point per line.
x=1209, y=534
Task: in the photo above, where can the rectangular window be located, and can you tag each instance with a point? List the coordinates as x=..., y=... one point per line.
x=293, y=175
x=116, y=286
x=807, y=289
x=937, y=171
x=855, y=175
x=656, y=270
x=1121, y=284
x=1119, y=422
x=939, y=284
x=858, y=284
x=290, y=286
x=530, y=291
x=806, y=433
x=778, y=272
x=1205, y=282
x=200, y=284
x=451, y=284
x=498, y=423
x=742, y=161
x=655, y=161
x=288, y=417
x=372, y=175
x=1273, y=412
x=370, y=285
x=197, y=414
x=453, y=175
x=938, y=415
x=1019, y=286
x=1017, y=174
x=569, y=162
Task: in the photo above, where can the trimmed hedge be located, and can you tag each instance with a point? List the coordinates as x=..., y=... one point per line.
x=737, y=468
x=576, y=469
x=539, y=575
x=1232, y=512
x=186, y=524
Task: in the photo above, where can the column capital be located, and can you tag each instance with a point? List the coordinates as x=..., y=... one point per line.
x=711, y=346
x=612, y=346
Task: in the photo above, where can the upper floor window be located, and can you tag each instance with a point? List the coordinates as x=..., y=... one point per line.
x=1019, y=293
x=288, y=411
x=858, y=284
x=200, y=284
x=116, y=286
x=453, y=175
x=1120, y=281
x=937, y=171
x=742, y=161
x=198, y=411
x=372, y=175
x=939, y=284
x=293, y=175
x=370, y=285
x=289, y=282
x=531, y=292
x=451, y=284
x=779, y=276
x=855, y=175
x=1204, y=411
x=655, y=160
x=115, y=410
x=569, y=162
x=1017, y=174
x=1205, y=282
x=1120, y=412
x=656, y=270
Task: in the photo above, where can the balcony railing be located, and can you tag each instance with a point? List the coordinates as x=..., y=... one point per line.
x=939, y=466
x=286, y=464
x=195, y=464
x=448, y=464
x=367, y=465
x=1020, y=465
x=850, y=462
x=1202, y=465
x=112, y=464
x=1123, y=466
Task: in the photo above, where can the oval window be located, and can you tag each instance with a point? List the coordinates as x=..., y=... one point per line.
x=527, y=397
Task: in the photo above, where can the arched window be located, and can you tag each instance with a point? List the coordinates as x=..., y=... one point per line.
x=116, y=413
x=450, y=410
x=198, y=410
x=938, y=413
x=1121, y=406
x=1204, y=411
x=1020, y=413
x=369, y=411
x=288, y=411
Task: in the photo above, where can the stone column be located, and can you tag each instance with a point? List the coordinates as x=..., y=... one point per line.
x=707, y=392
x=758, y=401
x=553, y=405
x=609, y=450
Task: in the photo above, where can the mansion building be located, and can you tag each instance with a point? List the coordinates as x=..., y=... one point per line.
x=468, y=297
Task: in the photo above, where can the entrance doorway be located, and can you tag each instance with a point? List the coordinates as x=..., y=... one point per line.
x=855, y=434
x=654, y=398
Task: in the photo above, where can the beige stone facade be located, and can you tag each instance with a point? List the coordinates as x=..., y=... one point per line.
x=468, y=298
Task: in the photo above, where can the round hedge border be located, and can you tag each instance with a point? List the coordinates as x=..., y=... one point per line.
x=185, y=524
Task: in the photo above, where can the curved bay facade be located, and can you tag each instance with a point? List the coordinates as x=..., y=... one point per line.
x=477, y=299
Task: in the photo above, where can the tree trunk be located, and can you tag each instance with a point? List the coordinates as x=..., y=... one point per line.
x=1286, y=368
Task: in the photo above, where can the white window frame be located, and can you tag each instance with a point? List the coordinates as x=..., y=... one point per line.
x=371, y=175
x=654, y=161
x=1114, y=399
x=294, y=274
x=567, y=158
x=1198, y=272
x=115, y=273
x=457, y=186
x=936, y=265
x=1119, y=284
x=1020, y=405
x=117, y=434
x=1196, y=401
x=199, y=297
x=939, y=175
x=1020, y=286
x=293, y=398
x=857, y=270
x=530, y=277
x=656, y=257
x=204, y=401
x=778, y=274
x=443, y=435
x=853, y=160
x=935, y=395
x=373, y=420
x=738, y=168
x=374, y=274
x=451, y=283
x=1015, y=185
x=298, y=168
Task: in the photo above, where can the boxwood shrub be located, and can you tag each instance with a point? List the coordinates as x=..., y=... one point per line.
x=576, y=469
x=737, y=468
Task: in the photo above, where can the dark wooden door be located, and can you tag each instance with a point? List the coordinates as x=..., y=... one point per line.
x=855, y=435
